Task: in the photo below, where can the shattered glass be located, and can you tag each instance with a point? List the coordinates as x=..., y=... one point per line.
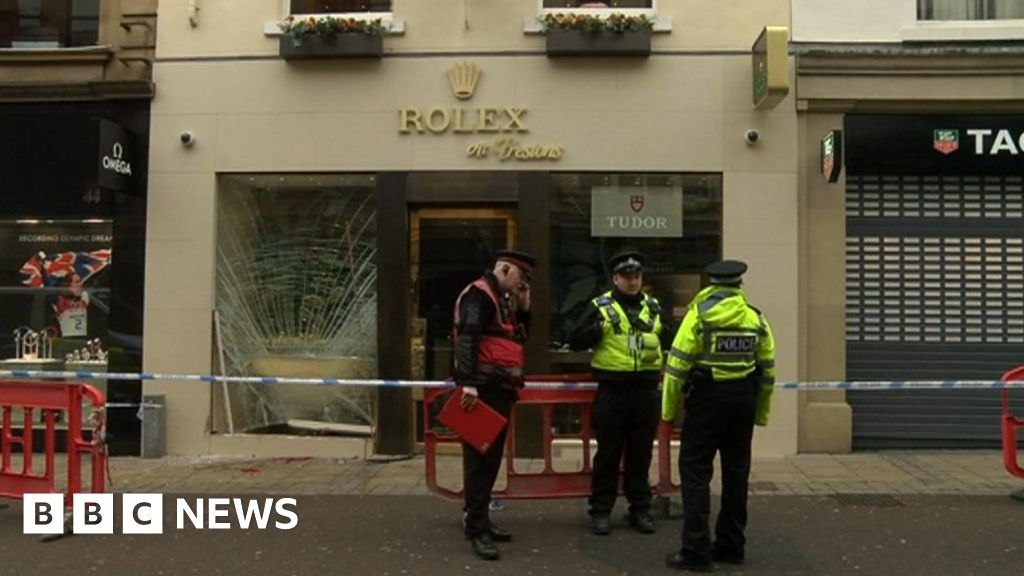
x=296, y=297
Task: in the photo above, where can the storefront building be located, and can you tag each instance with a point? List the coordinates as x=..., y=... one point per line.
x=913, y=256
x=317, y=216
x=75, y=89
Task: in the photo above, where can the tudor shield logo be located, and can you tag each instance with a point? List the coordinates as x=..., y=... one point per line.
x=946, y=141
x=636, y=202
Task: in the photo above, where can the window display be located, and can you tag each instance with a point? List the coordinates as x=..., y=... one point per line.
x=675, y=220
x=297, y=297
x=54, y=277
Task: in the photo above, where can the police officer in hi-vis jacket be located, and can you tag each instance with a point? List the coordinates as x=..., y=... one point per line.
x=623, y=327
x=492, y=315
x=722, y=364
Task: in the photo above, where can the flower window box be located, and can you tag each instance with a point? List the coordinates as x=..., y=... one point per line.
x=588, y=35
x=330, y=37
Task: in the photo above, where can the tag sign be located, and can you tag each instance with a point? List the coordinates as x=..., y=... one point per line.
x=832, y=155
x=636, y=211
x=770, y=66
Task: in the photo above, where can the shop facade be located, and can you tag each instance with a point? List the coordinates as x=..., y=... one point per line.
x=914, y=251
x=74, y=132
x=318, y=217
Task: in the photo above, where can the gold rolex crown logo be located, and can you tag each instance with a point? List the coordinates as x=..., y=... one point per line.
x=463, y=76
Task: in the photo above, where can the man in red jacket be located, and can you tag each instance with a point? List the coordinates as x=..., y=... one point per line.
x=492, y=315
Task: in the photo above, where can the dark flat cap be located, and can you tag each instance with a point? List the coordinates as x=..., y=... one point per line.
x=726, y=271
x=524, y=261
x=626, y=262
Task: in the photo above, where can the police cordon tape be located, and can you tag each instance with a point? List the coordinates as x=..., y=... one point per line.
x=554, y=385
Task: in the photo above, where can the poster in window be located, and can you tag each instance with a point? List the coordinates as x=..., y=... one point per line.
x=54, y=274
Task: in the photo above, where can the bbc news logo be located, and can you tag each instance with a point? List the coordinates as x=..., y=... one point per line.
x=144, y=513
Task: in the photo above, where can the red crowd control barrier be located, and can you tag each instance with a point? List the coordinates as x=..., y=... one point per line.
x=543, y=481
x=1010, y=425
x=667, y=432
x=51, y=399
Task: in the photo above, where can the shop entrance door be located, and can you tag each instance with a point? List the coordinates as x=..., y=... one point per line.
x=449, y=248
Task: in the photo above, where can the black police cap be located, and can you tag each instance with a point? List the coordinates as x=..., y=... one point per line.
x=726, y=271
x=524, y=261
x=626, y=262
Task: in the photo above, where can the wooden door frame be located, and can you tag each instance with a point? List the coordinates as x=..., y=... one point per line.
x=417, y=214
x=399, y=194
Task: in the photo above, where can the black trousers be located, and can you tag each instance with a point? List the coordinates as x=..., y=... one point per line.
x=625, y=420
x=479, y=471
x=719, y=418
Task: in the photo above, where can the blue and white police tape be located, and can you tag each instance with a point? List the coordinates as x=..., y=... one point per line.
x=538, y=384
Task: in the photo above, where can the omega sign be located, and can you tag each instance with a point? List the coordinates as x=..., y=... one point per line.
x=113, y=167
x=502, y=121
x=115, y=161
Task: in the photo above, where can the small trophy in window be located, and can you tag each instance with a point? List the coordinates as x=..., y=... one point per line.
x=30, y=345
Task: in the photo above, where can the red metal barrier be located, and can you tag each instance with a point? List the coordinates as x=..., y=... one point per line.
x=545, y=483
x=667, y=432
x=1010, y=425
x=51, y=398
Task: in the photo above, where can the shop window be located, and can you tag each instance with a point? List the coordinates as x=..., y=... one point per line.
x=969, y=9
x=48, y=23
x=644, y=6
x=296, y=297
x=675, y=220
x=55, y=291
x=338, y=6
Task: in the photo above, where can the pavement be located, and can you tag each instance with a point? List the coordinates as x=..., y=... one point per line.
x=906, y=513
x=977, y=473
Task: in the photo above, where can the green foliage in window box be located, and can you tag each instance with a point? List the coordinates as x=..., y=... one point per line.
x=589, y=35
x=327, y=27
x=614, y=22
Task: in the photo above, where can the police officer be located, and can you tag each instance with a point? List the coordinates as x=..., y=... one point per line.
x=623, y=326
x=722, y=363
x=492, y=315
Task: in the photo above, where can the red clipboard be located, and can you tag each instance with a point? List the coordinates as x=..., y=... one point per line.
x=478, y=426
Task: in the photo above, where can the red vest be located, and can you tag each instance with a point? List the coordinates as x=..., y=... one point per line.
x=498, y=351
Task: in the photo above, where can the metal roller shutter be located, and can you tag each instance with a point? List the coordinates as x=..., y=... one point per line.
x=934, y=290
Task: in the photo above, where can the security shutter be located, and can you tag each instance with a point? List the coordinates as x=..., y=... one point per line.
x=934, y=291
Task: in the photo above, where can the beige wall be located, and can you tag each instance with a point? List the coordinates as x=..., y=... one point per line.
x=859, y=21
x=235, y=27
x=826, y=419
x=888, y=21
x=671, y=112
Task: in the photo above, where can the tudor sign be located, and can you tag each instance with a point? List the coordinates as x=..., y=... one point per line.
x=636, y=211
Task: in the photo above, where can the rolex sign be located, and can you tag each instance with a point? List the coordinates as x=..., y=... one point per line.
x=637, y=211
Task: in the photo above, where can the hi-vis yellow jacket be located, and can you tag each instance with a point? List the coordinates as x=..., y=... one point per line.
x=626, y=346
x=728, y=337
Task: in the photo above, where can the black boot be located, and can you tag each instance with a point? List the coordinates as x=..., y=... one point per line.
x=500, y=535
x=484, y=547
x=678, y=561
x=642, y=522
x=601, y=524
x=726, y=556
